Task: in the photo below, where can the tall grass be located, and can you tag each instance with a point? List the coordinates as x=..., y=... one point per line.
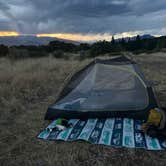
x=28, y=86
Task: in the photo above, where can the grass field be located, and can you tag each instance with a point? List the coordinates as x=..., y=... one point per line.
x=28, y=86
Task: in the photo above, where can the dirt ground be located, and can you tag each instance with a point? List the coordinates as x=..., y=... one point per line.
x=28, y=86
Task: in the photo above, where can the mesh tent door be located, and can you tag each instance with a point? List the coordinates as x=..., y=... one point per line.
x=105, y=88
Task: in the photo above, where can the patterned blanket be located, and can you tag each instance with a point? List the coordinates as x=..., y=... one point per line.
x=113, y=131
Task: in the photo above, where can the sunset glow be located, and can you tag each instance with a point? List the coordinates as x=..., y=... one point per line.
x=78, y=37
x=8, y=33
x=126, y=34
x=75, y=37
x=87, y=37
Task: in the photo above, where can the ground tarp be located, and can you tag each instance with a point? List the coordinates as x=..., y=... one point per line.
x=112, y=131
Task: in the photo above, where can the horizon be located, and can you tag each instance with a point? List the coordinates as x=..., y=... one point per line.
x=77, y=37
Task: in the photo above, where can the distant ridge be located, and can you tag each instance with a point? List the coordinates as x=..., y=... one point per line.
x=30, y=40
x=146, y=36
x=33, y=40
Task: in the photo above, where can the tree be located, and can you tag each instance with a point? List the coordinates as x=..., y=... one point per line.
x=3, y=50
x=84, y=46
x=112, y=40
x=138, y=38
x=138, y=43
x=59, y=45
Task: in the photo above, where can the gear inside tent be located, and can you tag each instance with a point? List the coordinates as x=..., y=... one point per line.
x=105, y=88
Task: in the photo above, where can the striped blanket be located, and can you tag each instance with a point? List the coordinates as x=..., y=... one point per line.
x=113, y=132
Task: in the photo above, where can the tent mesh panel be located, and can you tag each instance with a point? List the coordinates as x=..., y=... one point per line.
x=106, y=87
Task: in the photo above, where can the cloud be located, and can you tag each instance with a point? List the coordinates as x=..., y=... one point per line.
x=83, y=16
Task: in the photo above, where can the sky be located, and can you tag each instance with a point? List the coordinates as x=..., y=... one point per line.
x=82, y=20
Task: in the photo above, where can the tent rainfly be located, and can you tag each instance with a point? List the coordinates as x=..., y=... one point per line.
x=105, y=88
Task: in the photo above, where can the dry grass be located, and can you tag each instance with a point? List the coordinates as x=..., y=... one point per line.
x=28, y=86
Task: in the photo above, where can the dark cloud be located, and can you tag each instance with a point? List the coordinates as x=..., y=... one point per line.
x=3, y=6
x=82, y=16
x=4, y=26
x=100, y=9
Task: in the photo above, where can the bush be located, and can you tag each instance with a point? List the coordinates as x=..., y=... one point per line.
x=58, y=54
x=15, y=53
x=3, y=50
x=37, y=54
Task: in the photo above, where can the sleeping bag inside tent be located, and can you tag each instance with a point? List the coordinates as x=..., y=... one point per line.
x=105, y=88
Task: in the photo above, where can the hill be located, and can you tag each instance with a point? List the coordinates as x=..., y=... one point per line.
x=30, y=40
x=145, y=36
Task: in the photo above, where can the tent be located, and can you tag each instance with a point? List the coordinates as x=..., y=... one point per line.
x=105, y=88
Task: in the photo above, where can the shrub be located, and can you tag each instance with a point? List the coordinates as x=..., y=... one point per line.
x=15, y=53
x=3, y=50
x=58, y=54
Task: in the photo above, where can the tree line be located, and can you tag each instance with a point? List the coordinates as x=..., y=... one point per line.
x=57, y=48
